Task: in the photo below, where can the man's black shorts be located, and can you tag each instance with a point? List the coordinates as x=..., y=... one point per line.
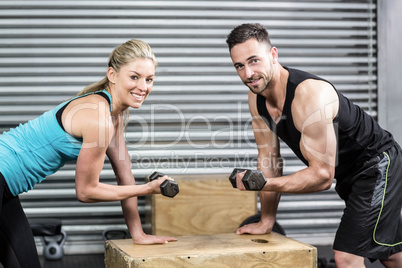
x=371, y=225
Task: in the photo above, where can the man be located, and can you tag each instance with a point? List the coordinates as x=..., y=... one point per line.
x=334, y=138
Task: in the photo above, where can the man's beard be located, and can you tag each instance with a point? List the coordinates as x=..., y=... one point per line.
x=267, y=81
x=258, y=89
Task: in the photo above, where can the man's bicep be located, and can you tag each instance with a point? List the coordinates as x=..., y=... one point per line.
x=314, y=109
x=318, y=143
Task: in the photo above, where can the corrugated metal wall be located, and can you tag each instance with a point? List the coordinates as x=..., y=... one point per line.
x=196, y=119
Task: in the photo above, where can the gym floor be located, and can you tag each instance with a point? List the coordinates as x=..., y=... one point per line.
x=97, y=261
x=75, y=261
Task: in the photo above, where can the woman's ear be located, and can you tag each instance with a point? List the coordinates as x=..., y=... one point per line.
x=111, y=75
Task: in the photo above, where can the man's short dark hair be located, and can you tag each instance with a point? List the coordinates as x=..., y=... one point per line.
x=244, y=32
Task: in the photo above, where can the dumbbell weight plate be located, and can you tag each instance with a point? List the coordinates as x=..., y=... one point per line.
x=254, y=180
x=156, y=175
x=169, y=188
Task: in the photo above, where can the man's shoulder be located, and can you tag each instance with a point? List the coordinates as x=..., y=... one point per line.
x=252, y=103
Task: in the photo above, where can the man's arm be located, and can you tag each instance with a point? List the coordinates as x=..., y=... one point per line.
x=270, y=163
x=313, y=109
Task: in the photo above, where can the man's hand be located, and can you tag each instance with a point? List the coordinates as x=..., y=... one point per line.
x=239, y=182
x=254, y=228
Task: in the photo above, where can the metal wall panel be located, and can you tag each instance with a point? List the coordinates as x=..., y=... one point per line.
x=196, y=120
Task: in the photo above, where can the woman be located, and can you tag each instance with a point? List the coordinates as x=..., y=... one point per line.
x=85, y=129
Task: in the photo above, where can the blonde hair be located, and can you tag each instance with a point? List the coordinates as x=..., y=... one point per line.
x=125, y=53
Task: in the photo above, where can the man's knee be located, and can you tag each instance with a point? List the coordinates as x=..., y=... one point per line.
x=347, y=260
x=395, y=260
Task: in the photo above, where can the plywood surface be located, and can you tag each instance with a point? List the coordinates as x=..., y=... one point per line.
x=205, y=205
x=218, y=250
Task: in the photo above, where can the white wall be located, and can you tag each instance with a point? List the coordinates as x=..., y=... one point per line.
x=390, y=66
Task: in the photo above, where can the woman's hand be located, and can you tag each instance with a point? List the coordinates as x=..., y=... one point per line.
x=154, y=185
x=144, y=239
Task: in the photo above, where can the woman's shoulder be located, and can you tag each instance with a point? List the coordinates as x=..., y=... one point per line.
x=92, y=102
x=85, y=114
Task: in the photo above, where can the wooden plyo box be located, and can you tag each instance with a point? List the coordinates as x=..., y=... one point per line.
x=213, y=251
x=206, y=204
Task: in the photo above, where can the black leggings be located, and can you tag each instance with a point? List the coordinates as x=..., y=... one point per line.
x=17, y=245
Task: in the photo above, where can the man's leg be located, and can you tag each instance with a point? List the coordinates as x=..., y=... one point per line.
x=371, y=225
x=394, y=261
x=347, y=260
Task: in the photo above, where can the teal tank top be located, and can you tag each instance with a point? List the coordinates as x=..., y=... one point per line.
x=34, y=150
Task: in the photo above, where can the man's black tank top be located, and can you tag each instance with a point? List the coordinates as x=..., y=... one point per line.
x=359, y=136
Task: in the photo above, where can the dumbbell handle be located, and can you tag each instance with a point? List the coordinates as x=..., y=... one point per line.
x=168, y=188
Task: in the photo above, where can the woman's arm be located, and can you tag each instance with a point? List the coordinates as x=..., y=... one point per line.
x=88, y=119
x=121, y=163
x=97, y=135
